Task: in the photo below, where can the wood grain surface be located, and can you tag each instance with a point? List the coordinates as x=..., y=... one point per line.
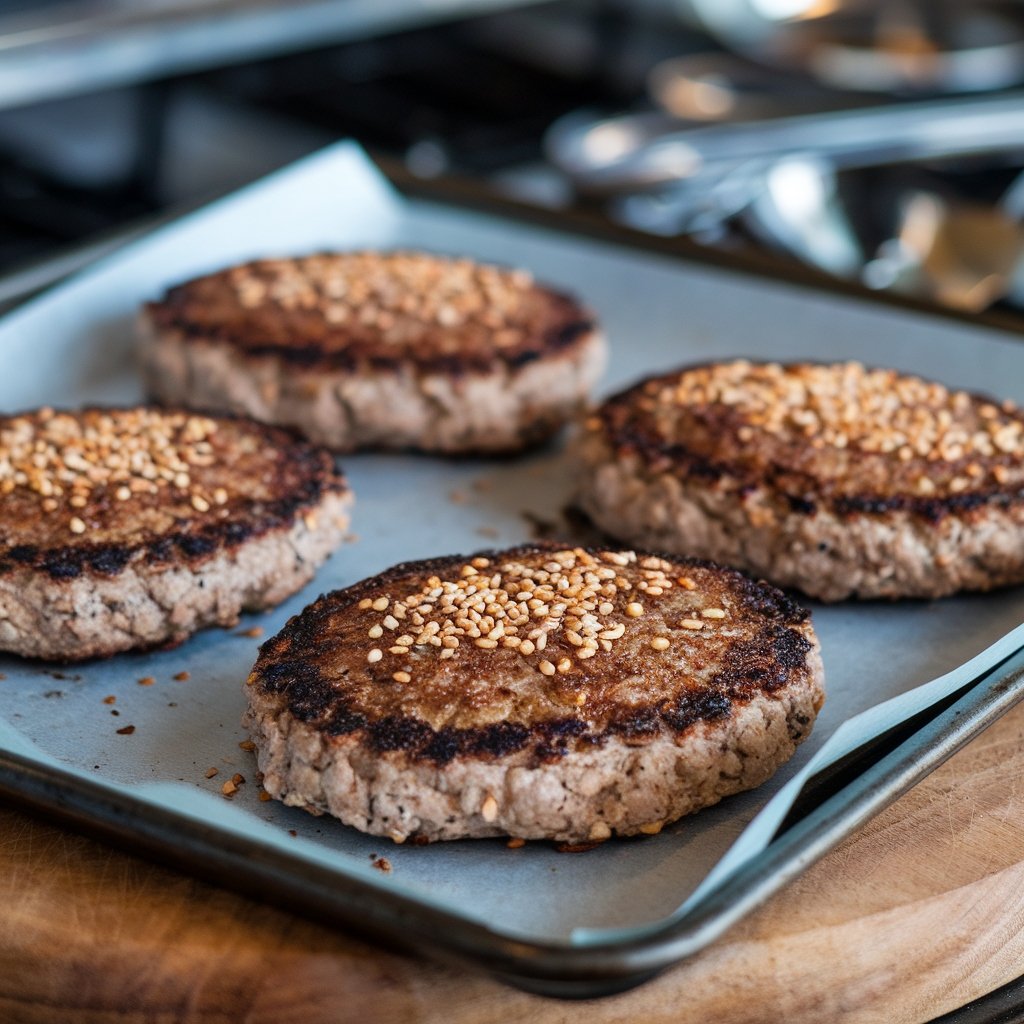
x=916, y=915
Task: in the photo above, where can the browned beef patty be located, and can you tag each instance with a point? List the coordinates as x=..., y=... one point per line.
x=377, y=350
x=127, y=528
x=535, y=692
x=836, y=479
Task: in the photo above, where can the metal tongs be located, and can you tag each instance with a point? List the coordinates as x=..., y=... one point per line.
x=644, y=151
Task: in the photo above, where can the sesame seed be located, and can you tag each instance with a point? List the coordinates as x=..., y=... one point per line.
x=200, y=504
x=375, y=631
x=564, y=665
x=365, y=603
x=76, y=525
x=652, y=828
x=713, y=613
x=634, y=609
x=380, y=604
x=692, y=624
x=375, y=655
x=599, y=831
x=401, y=677
x=660, y=643
x=390, y=622
x=547, y=668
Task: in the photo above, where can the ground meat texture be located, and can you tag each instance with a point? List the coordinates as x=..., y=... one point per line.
x=538, y=692
x=377, y=350
x=131, y=528
x=836, y=479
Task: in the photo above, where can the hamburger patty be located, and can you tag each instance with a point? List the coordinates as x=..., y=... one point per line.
x=534, y=692
x=127, y=528
x=377, y=350
x=836, y=479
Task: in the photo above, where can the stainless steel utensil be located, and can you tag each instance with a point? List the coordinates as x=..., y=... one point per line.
x=644, y=152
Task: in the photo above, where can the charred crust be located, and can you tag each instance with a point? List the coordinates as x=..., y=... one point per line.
x=780, y=471
x=774, y=657
x=303, y=475
x=560, y=325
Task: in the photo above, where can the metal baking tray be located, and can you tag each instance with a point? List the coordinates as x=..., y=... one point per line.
x=580, y=925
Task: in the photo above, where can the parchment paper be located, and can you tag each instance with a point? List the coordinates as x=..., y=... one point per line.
x=75, y=345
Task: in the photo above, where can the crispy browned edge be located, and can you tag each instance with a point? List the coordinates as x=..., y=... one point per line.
x=767, y=662
x=572, y=325
x=663, y=454
x=191, y=544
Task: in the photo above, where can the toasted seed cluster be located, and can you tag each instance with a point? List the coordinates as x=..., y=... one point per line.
x=847, y=405
x=576, y=595
x=395, y=294
x=65, y=458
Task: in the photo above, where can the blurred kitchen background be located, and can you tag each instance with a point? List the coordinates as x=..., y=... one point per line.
x=878, y=143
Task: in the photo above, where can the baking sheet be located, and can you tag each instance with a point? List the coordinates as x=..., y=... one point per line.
x=74, y=345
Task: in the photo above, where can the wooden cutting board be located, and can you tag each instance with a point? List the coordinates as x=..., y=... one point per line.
x=916, y=915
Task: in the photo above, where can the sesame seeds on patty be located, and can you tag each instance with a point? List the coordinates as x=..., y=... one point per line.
x=131, y=527
x=834, y=478
x=67, y=458
x=377, y=350
x=532, y=683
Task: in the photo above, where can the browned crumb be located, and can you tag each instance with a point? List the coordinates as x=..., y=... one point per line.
x=382, y=864
x=350, y=538
x=126, y=731
x=182, y=677
x=458, y=497
x=146, y=681
x=229, y=789
x=211, y=771
x=247, y=745
x=516, y=843
x=238, y=778
x=252, y=631
x=577, y=847
x=488, y=531
x=110, y=700
x=265, y=796
x=292, y=833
